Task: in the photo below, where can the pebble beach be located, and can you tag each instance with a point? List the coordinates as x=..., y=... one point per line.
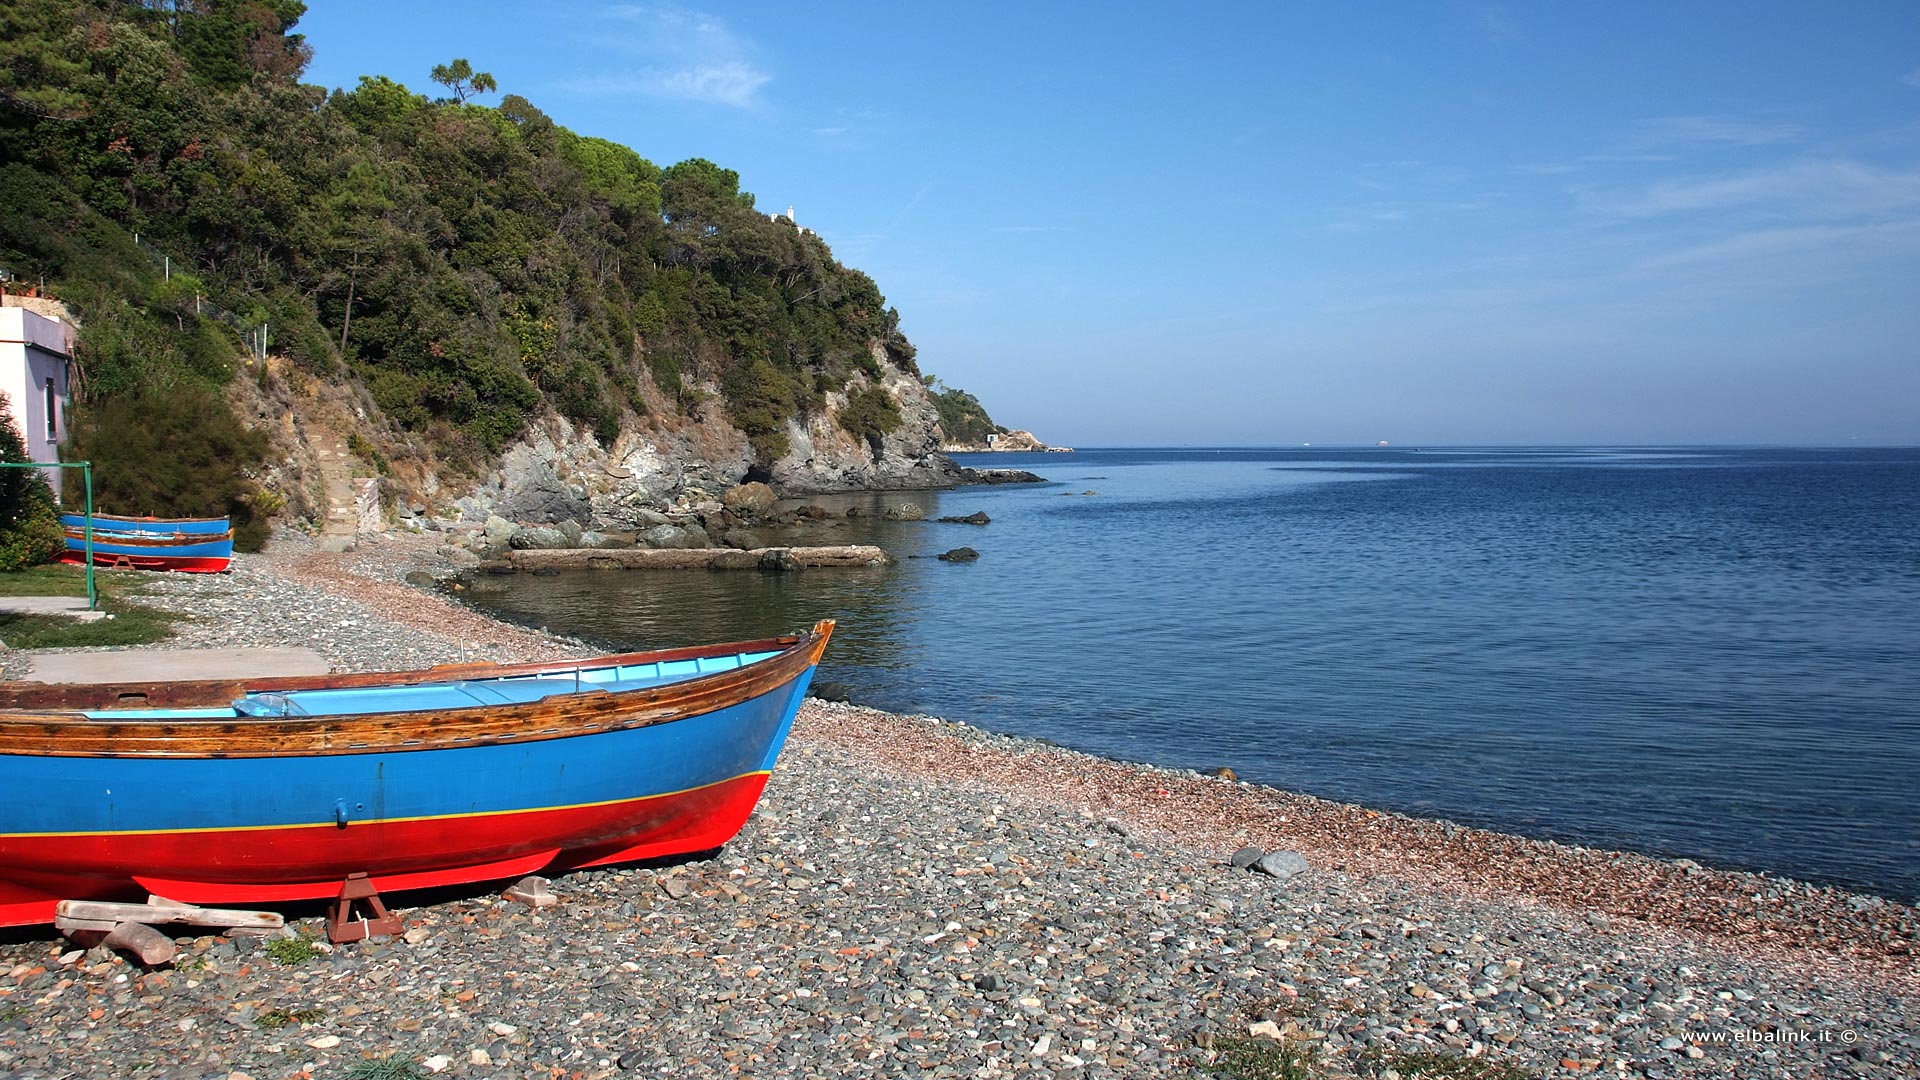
x=920, y=897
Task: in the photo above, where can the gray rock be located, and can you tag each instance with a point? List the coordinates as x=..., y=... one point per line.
x=779, y=561
x=1246, y=857
x=905, y=512
x=1282, y=865
x=959, y=554
x=538, y=538
x=978, y=517
x=750, y=500
x=459, y=558
x=670, y=536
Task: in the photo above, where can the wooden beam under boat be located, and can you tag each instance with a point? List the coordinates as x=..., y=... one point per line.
x=843, y=556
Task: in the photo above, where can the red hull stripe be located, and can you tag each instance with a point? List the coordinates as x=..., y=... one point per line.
x=497, y=815
x=150, y=562
x=305, y=862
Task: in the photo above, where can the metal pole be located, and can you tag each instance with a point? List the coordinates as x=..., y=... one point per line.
x=93, y=595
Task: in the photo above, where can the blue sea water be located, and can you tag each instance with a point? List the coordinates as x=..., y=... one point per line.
x=1710, y=653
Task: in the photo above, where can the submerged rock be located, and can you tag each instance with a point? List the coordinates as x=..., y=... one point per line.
x=959, y=554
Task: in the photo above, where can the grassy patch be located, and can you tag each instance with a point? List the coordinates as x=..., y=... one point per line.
x=1432, y=1066
x=1254, y=1057
x=387, y=1068
x=132, y=623
x=273, y=1019
x=12, y=1012
x=290, y=951
x=53, y=579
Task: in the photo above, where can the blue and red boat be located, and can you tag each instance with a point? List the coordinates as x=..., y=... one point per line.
x=282, y=789
x=195, y=545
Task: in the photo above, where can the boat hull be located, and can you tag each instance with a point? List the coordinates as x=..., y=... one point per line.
x=263, y=829
x=193, y=552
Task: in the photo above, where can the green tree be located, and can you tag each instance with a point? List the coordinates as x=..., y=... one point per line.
x=465, y=82
x=29, y=525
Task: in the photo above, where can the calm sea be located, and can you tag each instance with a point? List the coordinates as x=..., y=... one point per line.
x=1711, y=653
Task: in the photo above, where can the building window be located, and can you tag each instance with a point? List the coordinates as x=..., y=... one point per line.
x=53, y=414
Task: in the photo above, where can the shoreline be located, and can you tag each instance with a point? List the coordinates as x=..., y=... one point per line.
x=1380, y=883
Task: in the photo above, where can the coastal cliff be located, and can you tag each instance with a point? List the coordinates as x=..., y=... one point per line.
x=668, y=464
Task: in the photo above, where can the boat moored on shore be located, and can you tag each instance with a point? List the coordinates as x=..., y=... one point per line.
x=280, y=789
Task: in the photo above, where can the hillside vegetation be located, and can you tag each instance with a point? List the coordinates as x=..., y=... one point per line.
x=470, y=267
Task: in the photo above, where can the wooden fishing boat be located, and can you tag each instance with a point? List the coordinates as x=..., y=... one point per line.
x=282, y=789
x=157, y=526
x=195, y=545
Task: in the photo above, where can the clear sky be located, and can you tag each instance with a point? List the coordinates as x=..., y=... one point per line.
x=1273, y=223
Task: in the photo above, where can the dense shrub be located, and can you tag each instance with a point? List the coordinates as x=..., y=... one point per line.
x=29, y=525
x=173, y=454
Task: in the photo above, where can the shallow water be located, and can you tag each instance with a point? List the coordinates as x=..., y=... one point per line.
x=1711, y=653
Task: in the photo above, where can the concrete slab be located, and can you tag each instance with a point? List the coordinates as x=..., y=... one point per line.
x=171, y=665
x=44, y=605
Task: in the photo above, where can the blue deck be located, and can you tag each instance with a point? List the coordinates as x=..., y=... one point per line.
x=463, y=694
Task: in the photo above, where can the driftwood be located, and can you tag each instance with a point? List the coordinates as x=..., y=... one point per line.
x=129, y=927
x=844, y=555
x=101, y=915
x=149, y=946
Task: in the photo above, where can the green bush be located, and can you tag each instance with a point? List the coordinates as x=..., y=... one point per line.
x=175, y=454
x=871, y=415
x=29, y=525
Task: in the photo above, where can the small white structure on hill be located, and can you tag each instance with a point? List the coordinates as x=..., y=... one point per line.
x=35, y=356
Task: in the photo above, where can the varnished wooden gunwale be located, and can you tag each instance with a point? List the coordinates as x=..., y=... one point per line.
x=35, y=725
x=102, y=537
x=97, y=518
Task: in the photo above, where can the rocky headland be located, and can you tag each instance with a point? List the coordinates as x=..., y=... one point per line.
x=915, y=897
x=1006, y=442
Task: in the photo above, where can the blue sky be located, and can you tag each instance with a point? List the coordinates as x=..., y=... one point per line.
x=1122, y=224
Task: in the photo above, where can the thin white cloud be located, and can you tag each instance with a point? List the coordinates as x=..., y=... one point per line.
x=687, y=56
x=1031, y=228
x=1821, y=189
x=1711, y=130
x=733, y=82
x=1851, y=244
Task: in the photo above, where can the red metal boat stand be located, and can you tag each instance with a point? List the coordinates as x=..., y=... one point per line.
x=343, y=925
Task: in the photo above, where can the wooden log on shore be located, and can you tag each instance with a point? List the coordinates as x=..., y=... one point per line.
x=149, y=946
x=88, y=914
x=841, y=556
